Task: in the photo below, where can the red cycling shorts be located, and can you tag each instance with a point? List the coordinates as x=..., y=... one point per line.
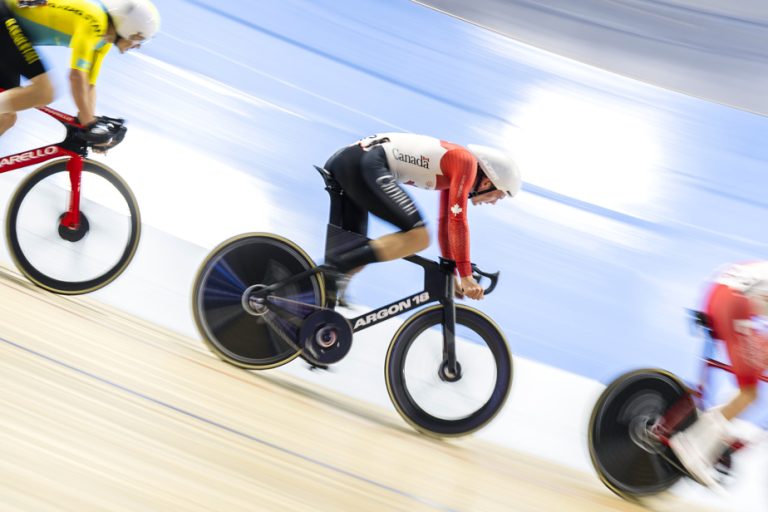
x=748, y=351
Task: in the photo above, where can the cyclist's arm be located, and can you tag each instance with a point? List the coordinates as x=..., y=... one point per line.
x=444, y=239
x=85, y=65
x=92, y=96
x=84, y=95
x=442, y=225
x=98, y=58
x=460, y=167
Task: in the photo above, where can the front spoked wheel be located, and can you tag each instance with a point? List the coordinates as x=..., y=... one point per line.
x=448, y=405
x=255, y=333
x=625, y=452
x=82, y=259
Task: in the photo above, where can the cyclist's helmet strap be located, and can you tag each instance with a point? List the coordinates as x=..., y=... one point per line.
x=474, y=191
x=118, y=37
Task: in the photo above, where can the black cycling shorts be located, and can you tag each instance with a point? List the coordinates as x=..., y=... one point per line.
x=17, y=55
x=369, y=186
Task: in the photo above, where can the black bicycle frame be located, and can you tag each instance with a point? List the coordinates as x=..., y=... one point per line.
x=438, y=277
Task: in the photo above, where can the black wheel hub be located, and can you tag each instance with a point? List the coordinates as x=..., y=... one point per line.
x=447, y=374
x=641, y=433
x=252, y=304
x=73, y=234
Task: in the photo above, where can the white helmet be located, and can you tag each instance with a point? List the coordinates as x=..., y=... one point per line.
x=498, y=167
x=133, y=17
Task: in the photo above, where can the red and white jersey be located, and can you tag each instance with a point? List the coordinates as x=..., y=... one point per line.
x=751, y=279
x=433, y=164
x=413, y=159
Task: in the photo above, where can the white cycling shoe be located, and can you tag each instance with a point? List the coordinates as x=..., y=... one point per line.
x=700, y=446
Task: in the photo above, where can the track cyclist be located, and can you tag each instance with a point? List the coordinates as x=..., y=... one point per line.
x=370, y=172
x=89, y=27
x=737, y=309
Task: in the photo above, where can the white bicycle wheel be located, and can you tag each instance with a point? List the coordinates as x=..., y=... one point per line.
x=87, y=257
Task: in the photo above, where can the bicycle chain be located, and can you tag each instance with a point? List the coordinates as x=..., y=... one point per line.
x=296, y=302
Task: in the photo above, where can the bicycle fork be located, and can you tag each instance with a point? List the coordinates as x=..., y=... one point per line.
x=71, y=218
x=450, y=369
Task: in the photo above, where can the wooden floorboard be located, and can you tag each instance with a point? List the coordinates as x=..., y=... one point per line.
x=102, y=411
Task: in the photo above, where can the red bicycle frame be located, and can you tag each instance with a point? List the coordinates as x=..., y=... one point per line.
x=66, y=148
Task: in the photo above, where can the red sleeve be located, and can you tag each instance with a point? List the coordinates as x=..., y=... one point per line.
x=442, y=225
x=459, y=167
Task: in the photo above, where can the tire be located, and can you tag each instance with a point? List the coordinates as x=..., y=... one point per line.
x=237, y=335
x=629, y=467
x=413, y=365
x=98, y=254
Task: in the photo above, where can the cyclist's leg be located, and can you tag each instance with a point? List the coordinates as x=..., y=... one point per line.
x=731, y=312
x=37, y=93
x=7, y=121
x=746, y=397
x=344, y=166
x=9, y=77
x=390, y=202
x=19, y=58
x=701, y=445
x=371, y=186
x=402, y=244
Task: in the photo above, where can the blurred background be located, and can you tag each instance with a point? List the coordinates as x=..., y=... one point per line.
x=639, y=126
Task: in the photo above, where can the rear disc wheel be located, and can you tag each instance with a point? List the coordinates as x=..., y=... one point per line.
x=626, y=456
x=245, y=329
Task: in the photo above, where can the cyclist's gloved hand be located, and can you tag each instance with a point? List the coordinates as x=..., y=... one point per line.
x=98, y=132
x=104, y=133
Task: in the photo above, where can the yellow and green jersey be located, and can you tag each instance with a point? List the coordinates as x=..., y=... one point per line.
x=78, y=24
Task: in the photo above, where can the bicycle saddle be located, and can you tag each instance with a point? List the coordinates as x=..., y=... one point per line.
x=330, y=181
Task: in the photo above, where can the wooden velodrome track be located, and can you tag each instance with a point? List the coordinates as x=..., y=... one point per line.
x=101, y=411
